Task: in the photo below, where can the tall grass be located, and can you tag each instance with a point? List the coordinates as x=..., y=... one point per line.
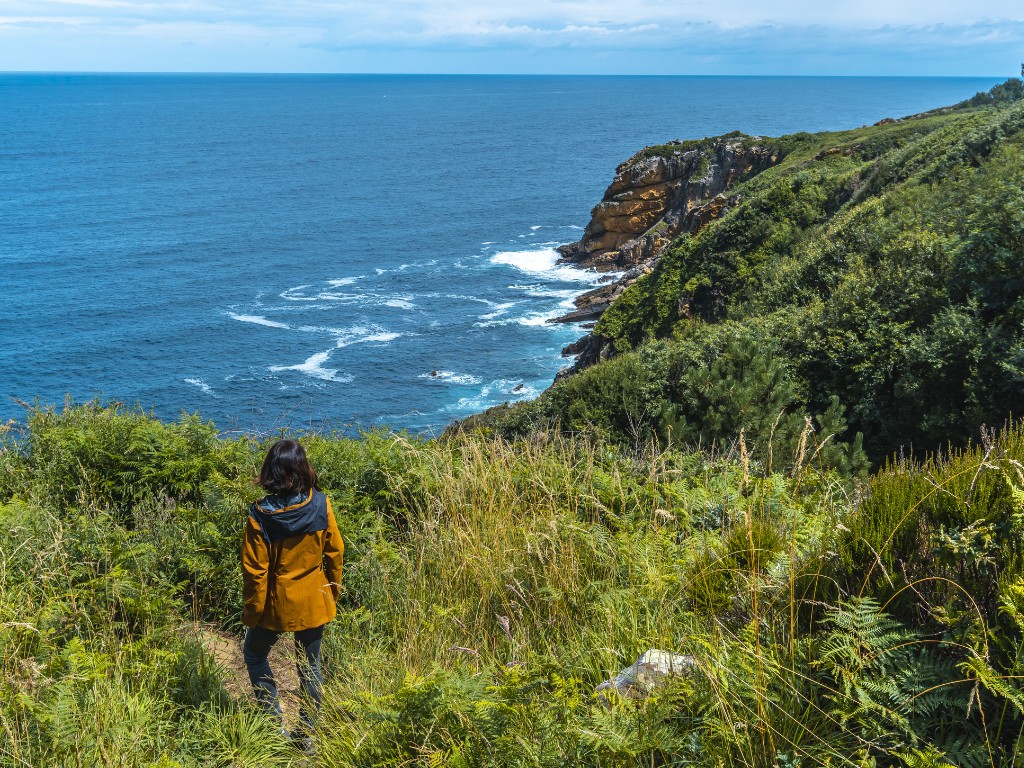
x=490, y=585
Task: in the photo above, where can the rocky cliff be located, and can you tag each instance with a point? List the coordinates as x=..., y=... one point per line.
x=658, y=194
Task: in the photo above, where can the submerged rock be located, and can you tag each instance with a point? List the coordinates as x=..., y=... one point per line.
x=647, y=673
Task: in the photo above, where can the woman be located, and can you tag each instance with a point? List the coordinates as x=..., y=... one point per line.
x=291, y=573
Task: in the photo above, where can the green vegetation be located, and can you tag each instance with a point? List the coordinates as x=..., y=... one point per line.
x=491, y=585
x=708, y=491
x=876, y=273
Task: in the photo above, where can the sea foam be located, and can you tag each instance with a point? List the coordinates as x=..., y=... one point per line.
x=543, y=263
x=450, y=377
x=361, y=335
x=494, y=393
x=289, y=295
x=499, y=310
x=196, y=382
x=314, y=366
x=342, y=281
x=257, y=320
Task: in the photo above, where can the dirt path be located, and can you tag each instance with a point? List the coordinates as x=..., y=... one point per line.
x=226, y=650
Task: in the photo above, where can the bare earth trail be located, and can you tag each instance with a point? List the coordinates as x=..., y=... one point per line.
x=226, y=650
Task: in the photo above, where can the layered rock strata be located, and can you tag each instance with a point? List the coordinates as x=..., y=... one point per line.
x=656, y=195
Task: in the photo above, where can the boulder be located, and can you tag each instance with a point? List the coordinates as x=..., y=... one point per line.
x=647, y=673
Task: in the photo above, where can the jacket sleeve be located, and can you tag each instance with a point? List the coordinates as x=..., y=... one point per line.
x=334, y=551
x=255, y=564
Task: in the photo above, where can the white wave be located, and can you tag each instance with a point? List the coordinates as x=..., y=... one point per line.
x=314, y=366
x=382, y=338
x=257, y=319
x=471, y=403
x=548, y=293
x=329, y=330
x=495, y=323
x=361, y=335
x=526, y=392
x=543, y=263
x=517, y=389
x=399, y=304
x=567, y=298
x=532, y=262
x=536, y=227
x=530, y=320
x=289, y=295
x=344, y=298
x=535, y=319
x=450, y=377
x=300, y=292
x=501, y=390
x=196, y=382
x=499, y=310
x=403, y=267
x=462, y=297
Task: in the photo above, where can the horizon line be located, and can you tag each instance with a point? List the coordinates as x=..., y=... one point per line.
x=259, y=73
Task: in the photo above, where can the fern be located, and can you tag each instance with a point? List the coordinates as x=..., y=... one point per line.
x=929, y=757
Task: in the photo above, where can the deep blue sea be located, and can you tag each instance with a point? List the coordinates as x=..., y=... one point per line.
x=304, y=251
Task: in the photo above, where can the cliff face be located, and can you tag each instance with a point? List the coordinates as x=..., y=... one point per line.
x=656, y=195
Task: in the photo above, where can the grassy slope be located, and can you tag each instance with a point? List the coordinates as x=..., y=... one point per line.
x=491, y=585
x=874, y=273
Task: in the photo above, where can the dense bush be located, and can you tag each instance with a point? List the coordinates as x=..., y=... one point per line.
x=1004, y=93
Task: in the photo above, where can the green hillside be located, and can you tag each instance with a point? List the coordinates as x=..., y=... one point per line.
x=724, y=488
x=875, y=273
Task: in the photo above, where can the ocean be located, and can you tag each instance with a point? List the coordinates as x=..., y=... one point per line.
x=333, y=252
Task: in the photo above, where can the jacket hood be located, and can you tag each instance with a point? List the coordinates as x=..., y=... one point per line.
x=281, y=518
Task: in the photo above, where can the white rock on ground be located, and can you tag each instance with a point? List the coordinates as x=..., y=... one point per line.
x=647, y=673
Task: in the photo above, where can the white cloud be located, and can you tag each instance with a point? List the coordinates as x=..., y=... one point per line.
x=13, y=21
x=432, y=17
x=702, y=34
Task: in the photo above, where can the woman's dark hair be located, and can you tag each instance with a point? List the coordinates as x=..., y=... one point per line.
x=286, y=470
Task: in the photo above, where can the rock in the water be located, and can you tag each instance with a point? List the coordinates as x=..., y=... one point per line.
x=647, y=673
x=576, y=347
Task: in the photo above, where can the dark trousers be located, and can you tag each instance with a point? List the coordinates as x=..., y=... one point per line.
x=255, y=649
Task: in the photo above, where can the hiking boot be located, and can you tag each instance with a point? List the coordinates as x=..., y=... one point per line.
x=304, y=744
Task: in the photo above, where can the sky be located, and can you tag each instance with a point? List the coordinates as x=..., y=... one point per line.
x=657, y=37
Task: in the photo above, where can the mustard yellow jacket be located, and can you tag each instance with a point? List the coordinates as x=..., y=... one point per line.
x=291, y=563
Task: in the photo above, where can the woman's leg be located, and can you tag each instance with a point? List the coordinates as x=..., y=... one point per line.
x=255, y=649
x=310, y=676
